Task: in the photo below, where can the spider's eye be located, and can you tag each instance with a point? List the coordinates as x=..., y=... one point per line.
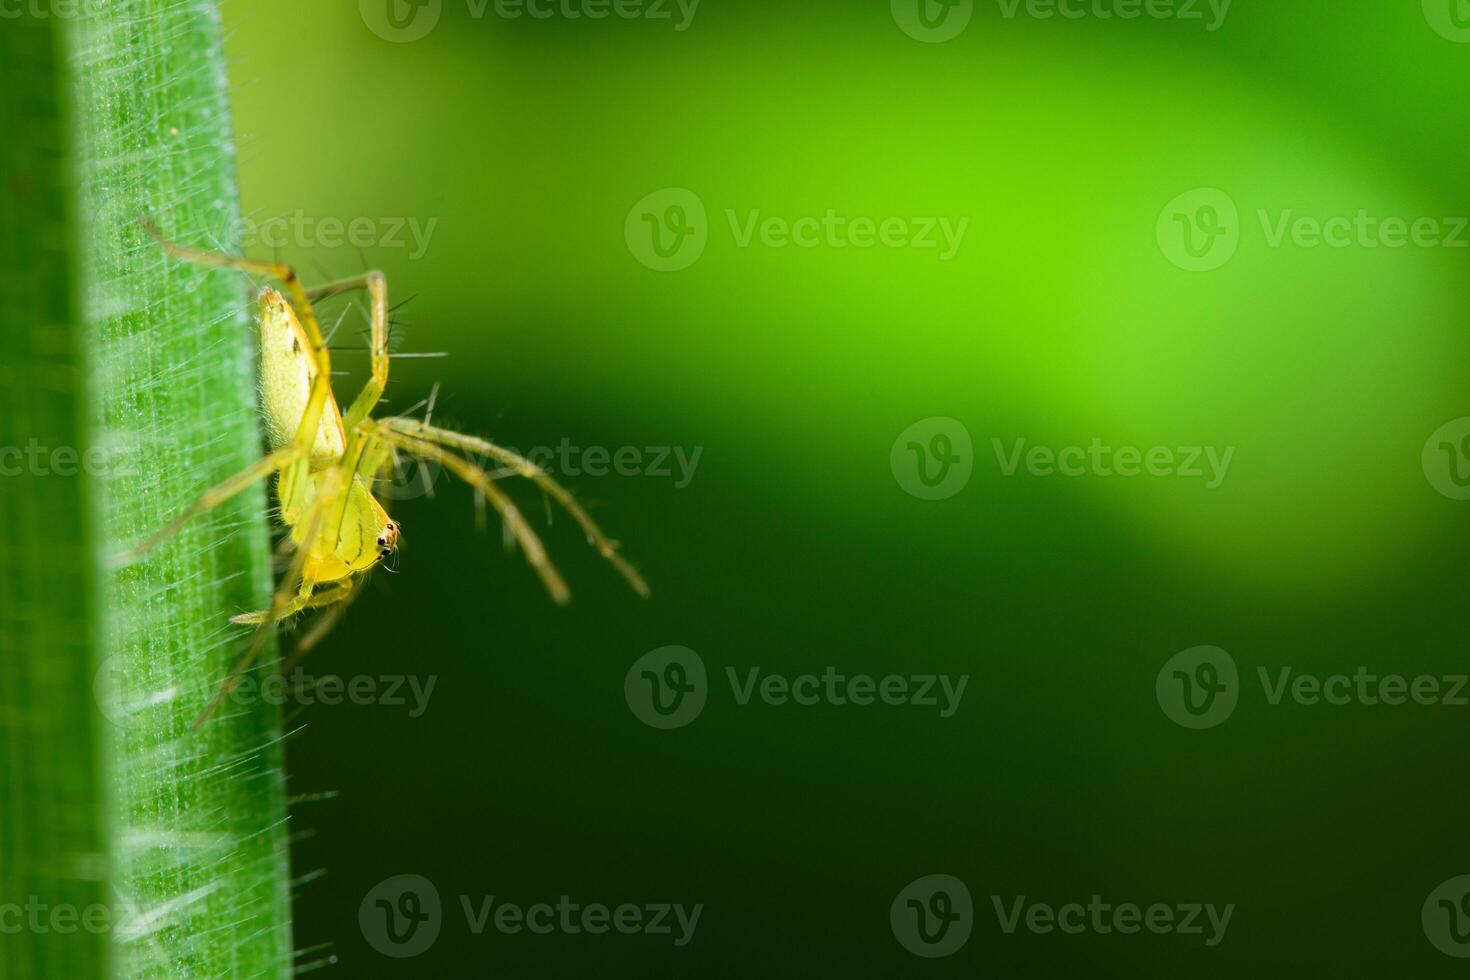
x=384, y=554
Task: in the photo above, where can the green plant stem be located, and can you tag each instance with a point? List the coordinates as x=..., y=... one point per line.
x=145, y=368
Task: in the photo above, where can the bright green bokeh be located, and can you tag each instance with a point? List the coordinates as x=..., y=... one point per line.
x=1060, y=319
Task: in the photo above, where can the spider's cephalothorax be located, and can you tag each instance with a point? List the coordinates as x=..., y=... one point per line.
x=327, y=461
x=388, y=540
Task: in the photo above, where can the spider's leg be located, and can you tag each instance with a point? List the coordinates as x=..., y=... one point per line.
x=294, y=590
x=336, y=599
x=509, y=513
x=293, y=457
x=255, y=267
x=377, y=286
x=213, y=497
x=524, y=467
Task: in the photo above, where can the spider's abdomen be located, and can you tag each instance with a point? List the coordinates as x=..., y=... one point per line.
x=286, y=373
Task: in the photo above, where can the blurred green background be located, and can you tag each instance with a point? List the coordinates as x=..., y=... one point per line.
x=1060, y=319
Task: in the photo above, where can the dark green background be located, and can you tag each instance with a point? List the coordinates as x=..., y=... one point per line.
x=794, y=548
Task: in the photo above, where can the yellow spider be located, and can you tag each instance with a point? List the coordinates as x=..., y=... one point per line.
x=326, y=462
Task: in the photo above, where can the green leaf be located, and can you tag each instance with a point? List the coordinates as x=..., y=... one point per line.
x=137, y=371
